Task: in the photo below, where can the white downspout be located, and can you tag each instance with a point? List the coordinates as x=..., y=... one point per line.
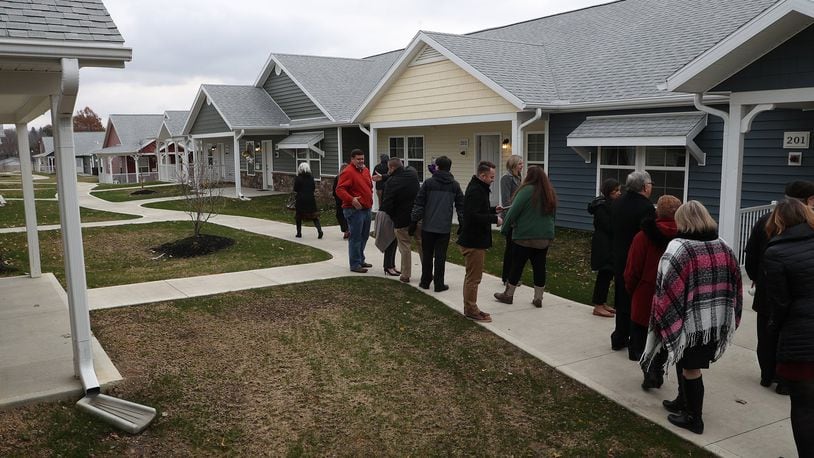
x=237, y=154
x=519, y=147
x=536, y=117
x=62, y=106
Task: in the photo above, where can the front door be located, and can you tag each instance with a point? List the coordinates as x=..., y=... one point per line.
x=488, y=149
x=268, y=162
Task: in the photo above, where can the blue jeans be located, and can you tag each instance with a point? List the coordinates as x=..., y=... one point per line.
x=359, y=227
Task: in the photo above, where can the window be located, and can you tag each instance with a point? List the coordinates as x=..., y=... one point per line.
x=414, y=154
x=247, y=158
x=313, y=158
x=535, y=146
x=667, y=166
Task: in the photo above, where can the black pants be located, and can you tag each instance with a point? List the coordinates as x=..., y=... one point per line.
x=621, y=333
x=766, y=347
x=507, y=258
x=298, y=221
x=802, y=416
x=601, y=286
x=434, y=246
x=638, y=339
x=521, y=254
x=340, y=216
x=390, y=256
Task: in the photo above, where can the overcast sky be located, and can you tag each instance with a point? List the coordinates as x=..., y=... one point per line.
x=180, y=44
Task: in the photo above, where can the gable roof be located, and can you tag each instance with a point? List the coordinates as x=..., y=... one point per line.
x=752, y=40
x=241, y=107
x=85, y=143
x=336, y=85
x=174, y=120
x=135, y=131
x=606, y=55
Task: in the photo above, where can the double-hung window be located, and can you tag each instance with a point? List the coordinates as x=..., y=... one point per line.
x=667, y=166
x=535, y=148
x=409, y=149
x=313, y=158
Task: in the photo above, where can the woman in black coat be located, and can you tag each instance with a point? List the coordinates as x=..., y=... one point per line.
x=306, y=204
x=789, y=272
x=601, y=260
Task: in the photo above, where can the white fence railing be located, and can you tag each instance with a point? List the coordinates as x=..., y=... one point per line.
x=749, y=217
x=120, y=178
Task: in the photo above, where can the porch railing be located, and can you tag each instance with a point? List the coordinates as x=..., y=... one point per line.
x=748, y=218
x=121, y=178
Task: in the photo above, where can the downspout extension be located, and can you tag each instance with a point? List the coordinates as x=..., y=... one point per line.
x=362, y=128
x=698, y=101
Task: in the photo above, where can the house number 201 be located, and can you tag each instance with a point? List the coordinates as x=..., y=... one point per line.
x=795, y=140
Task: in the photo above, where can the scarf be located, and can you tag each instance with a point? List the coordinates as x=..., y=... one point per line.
x=698, y=299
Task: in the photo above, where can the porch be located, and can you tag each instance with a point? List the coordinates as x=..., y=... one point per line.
x=37, y=359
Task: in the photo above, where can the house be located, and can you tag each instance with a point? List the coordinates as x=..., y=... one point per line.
x=128, y=153
x=602, y=91
x=85, y=144
x=174, y=152
x=300, y=108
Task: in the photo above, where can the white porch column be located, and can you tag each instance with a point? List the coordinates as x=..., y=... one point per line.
x=373, y=158
x=34, y=268
x=731, y=177
x=237, y=153
x=62, y=106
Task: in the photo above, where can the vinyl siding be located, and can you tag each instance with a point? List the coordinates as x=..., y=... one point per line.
x=766, y=169
x=208, y=121
x=572, y=178
x=294, y=102
x=437, y=90
x=444, y=141
x=704, y=183
x=785, y=67
x=330, y=144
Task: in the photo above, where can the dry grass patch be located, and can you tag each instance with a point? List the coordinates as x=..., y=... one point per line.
x=351, y=367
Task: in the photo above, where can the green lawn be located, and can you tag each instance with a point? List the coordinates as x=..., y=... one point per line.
x=39, y=193
x=103, y=186
x=293, y=371
x=121, y=254
x=265, y=207
x=13, y=214
x=124, y=195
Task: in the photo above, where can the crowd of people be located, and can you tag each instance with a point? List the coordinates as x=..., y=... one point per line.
x=677, y=285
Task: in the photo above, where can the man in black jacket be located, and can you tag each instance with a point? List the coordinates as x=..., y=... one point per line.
x=397, y=201
x=475, y=236
x=433, y=208
x=755, y=247
x=627, y=215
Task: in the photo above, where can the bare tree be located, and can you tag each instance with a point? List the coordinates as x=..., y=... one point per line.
x=202, y=194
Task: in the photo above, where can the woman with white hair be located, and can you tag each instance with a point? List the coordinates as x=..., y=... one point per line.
x=695, y=311
x=305, y=204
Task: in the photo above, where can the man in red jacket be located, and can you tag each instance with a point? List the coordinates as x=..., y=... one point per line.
x=355, y=189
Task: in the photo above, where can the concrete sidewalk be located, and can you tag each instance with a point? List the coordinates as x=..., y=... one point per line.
x=741, y=417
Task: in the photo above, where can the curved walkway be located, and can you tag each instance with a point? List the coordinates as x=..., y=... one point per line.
x=741, y=417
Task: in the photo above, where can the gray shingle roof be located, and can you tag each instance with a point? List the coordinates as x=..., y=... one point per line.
x=84, y=143
x=657, y=125
x=245, y=107
x=81, y=20
x=301, y=140
x=175, y=121
x=611, y=52
x=134, y=131
x=340, y=85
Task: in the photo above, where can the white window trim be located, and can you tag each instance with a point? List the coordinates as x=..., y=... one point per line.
x=245, y=161
x=310, y=156
x=406, y=159
x=639, y=166
x=545, y=148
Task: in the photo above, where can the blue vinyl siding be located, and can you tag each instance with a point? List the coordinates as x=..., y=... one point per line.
x=209, y=121
x=790, y=65
x=294, y=102
x=704, y=182
x=766, y=169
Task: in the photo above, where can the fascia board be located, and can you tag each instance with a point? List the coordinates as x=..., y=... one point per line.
x=387, y=80
x=193, y=113
x=675, y=100
x=681, y=79
x=90, y=54
x=302, y=88
x=266, y=72
x=678, y=140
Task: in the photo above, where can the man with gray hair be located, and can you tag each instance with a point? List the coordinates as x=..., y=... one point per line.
x=627, y=215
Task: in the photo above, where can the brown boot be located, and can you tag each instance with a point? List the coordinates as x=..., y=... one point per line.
x=507, y=296
x=538, y=296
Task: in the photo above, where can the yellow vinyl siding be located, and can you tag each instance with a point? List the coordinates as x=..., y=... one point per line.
x=443, y=141
x=437, y=90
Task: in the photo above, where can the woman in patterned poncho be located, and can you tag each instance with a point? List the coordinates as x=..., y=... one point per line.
x=696, y=309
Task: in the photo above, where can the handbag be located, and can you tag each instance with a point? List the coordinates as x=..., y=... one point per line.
x=291, y=203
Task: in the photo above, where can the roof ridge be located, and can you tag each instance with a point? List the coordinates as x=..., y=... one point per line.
x=358, y=59
x=546, y=17
x=229, y=85
x=486, y=39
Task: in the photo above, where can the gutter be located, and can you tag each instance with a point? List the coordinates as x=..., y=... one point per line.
x=536, y=117
x=362, y=128
x=565, y=106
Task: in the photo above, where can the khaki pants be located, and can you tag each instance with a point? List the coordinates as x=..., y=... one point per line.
x=473, y=259
x=406, y=251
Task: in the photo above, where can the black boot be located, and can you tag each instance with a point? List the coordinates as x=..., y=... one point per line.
x=319, y=228
x=299, y=228
x=678, y=404
x=691, y=418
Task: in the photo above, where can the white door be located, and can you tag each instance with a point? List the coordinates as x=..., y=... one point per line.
x=488, y=149
x=268, y=163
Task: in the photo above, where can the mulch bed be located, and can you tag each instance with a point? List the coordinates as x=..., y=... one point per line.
x=191, y=247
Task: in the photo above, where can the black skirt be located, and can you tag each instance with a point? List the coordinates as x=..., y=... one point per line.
x=698, y=357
